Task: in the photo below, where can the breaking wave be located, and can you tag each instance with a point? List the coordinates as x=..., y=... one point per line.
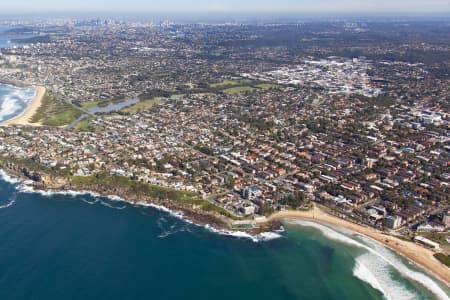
x=262, y=237
x=12, y=200
x=362, y=271
x=90, y=202
x=168, y=228
x=14, y=100
x=7, y=178
x=369, y=269
x=374, y=265
x=8, y=205
x=107, y=204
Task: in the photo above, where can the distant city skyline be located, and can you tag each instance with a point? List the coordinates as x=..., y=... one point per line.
x=222, y=6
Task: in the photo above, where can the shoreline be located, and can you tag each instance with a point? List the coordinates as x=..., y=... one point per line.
x=190, y=213
x=30, y=110
x=211, y=222
x=421, y=256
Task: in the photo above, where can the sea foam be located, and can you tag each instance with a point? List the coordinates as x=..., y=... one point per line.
x=7, y=178
x=363, y=272
x=7, y=205
x=104, y=203
x=370, y=269
x=374, y=266
x=14, y=100
x=261, y=237
x=89, y=202
x=8, y=107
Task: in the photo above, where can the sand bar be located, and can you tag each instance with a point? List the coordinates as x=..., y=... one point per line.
x=30, y=110
x=418, y=254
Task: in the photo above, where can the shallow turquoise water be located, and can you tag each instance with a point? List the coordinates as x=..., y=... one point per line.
x=82, y=247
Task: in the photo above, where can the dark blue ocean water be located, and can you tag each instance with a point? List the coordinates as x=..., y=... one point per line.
x=82, y=247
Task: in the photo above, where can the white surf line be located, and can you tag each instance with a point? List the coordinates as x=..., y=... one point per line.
x=7, y=178
x=8, y=205
x=16, y=99
x=262, y=237
x=386, y=256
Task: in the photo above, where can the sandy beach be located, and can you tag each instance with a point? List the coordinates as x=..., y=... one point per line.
x=420, y=255
x=25, y=116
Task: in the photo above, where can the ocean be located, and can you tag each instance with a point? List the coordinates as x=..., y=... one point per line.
x=14, y=100
x=6, y=39
x=78, y=246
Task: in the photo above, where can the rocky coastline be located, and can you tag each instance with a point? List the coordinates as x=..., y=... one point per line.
x=39, y=181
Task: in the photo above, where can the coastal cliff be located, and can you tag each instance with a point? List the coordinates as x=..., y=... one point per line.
x=199, y=211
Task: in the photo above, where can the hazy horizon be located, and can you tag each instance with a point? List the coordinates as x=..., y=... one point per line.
x=230, y=17
x=399, y=7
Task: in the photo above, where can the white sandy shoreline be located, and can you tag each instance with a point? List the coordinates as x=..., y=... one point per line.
x=423, y=257
x=30, y=110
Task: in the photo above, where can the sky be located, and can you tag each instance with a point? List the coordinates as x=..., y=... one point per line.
x=218, y=6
